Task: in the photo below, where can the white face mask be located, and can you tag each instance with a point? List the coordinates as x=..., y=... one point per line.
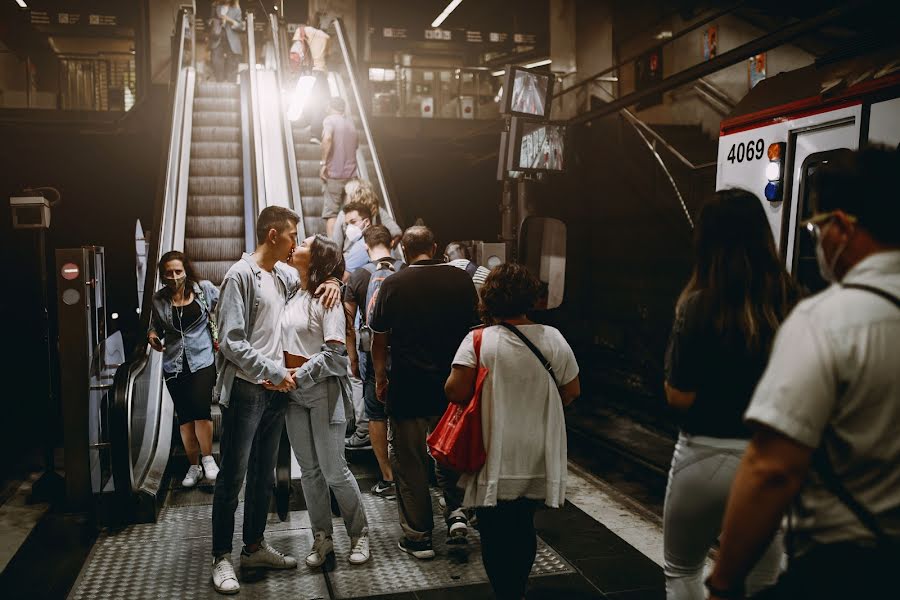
x=353, y=232
x=826, y=267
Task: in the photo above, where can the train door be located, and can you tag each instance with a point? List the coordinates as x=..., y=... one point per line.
x=811, y=147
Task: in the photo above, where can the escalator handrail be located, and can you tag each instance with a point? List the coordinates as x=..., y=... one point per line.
x=350, y=67
x=258, y=167
x=125, y=479
x=287, y=130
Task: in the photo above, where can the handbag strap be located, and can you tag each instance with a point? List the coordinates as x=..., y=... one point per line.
x=477, y=334
x=877, y=291
x=546, y=363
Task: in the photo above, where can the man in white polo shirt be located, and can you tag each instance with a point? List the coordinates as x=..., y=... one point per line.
x=827, y=410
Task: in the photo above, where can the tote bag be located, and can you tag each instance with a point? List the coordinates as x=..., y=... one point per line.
x=457, y=442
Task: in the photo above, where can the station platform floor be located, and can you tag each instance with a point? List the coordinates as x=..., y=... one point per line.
x=599, y=545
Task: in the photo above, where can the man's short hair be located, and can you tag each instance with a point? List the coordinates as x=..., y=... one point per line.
x=456, y=251
x=864, y=184
x=274, y=217
x=359, y=207
x=417, y=240
x=377, y=235
x=337, y=104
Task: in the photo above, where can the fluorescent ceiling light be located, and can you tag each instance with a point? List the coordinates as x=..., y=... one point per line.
x=539, y=63
x=499, y=73
x=446, y=13
x=21, y=3
x=664, y=35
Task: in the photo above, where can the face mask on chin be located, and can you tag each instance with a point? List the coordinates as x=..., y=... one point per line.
x=826, y=267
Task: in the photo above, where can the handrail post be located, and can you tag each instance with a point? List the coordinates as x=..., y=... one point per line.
x=254, y=114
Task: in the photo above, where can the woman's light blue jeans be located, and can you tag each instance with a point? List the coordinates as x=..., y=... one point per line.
x=317, y=438
x=699, y=482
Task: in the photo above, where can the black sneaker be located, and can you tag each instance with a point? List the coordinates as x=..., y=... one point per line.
x=457, y=529
x=421, y=550
x=384, y=489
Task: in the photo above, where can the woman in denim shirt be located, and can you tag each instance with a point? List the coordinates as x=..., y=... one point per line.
x=183, y=329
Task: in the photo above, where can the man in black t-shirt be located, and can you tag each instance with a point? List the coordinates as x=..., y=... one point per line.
x=378, y=241
x=421, y=315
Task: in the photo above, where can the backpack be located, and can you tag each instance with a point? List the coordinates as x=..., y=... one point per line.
x=380, y=271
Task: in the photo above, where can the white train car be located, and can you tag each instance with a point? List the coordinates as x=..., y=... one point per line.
x=789, y=125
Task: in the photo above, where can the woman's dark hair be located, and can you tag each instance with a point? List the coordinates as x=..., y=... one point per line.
x=189, y=272
x=738, y=276
x=509, y=290
x=325, y=260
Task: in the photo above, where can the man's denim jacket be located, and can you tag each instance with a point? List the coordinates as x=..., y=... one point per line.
x=197, y=343
x=236, y=317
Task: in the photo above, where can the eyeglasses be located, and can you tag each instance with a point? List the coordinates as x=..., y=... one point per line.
x=815, y=223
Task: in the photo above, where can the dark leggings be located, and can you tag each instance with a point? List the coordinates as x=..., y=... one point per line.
x=508, y=545
x=192, y=393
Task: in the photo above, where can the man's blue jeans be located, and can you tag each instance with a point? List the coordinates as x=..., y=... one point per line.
x=251, y=431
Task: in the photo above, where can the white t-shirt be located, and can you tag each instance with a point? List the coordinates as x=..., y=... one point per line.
x=306, y=325
x=833, y=380
x=521, y=416
x=266, y=336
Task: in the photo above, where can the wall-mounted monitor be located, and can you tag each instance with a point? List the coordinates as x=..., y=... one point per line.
x=527, y=93
x=536, y=146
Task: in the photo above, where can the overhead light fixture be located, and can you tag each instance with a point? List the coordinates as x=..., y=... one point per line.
x=21, y=3
x=499, y=73
x=539, y=63
x=446, y=13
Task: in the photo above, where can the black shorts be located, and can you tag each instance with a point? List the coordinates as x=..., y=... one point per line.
x=374, y=408
x=192, y=393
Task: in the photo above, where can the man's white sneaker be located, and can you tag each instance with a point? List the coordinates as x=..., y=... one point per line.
x=210, y=468
x=223, y=577
x=321, y=548
x=359, y=550
x=194, y=475
x=266, y=557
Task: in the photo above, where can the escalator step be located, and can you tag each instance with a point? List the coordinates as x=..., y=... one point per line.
x=200, y=206
x=214, y=249
x=308, y=151
x=308, y=168
x=220, y=119
x=215, y=167
x=310, y=186
x=214, y=227
x=216, y=186
x=215, y=89
x=314, y=225
x=216, y=413
x=215, y=150
x=216, y=134
x=216, y=104
x=312, y=205
x=213, y=270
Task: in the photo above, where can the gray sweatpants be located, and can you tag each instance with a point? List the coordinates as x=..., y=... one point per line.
x=700, y=479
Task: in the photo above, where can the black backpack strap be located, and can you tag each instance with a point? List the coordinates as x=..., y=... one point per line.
x=546, y=363
x=877, y=291
x=471, y=268
x=822, y=465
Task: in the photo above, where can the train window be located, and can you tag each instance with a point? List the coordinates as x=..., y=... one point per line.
x=806, y=267
x=542, y=248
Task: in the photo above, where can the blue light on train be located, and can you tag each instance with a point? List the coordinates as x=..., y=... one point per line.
x=773, y=191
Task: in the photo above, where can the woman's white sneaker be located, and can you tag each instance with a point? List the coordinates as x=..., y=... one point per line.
x=194, y=475
x=322, y=547
x=359, y=550
x=223, y=577
x=210, y=468
x=266, y=557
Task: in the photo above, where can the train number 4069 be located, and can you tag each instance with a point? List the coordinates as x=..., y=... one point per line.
x=747, y=151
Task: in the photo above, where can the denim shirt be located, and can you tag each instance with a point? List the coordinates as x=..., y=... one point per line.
x=197, y=343
x=236, y=317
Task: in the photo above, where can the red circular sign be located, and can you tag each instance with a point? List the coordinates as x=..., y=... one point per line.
x=70, y=271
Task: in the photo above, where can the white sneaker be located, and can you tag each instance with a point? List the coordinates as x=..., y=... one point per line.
x=194, y=475
x=210, y=468
x=266, y=557
x=321, y=548
x=223, y=577
x=359, y=550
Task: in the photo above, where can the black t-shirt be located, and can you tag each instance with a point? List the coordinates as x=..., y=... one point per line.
x=358, y=285
x=723, y=373
x=185, y=316
x=428, y=308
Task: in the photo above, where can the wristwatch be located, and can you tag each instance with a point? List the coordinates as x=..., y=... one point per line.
x=736, y=591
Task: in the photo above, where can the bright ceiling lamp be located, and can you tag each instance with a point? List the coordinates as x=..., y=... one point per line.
x=446, y=13
x=21, y=3
x=499, y=73
x=539, y=63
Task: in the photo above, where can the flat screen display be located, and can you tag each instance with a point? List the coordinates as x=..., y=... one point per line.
x=527, y=93
x=541, y=147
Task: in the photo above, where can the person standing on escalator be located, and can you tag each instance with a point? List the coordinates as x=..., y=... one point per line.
x=338, y=164
x=183, y=329
x=225, y=26
x=308, y=51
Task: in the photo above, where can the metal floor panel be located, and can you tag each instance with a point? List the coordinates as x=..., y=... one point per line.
x=171, y=559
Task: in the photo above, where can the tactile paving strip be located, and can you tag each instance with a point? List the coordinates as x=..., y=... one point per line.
x=171, y=559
